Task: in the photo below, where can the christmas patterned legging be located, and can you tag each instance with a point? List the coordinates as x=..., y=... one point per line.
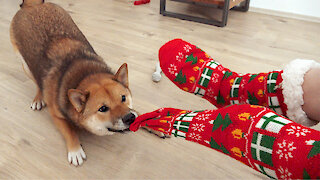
x=194, y=71
x=254, y=135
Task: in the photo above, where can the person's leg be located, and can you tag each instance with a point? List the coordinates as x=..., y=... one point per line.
x=194, y=71
x=254, y=135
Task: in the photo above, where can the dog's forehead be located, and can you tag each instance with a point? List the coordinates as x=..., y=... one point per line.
x=108, y=91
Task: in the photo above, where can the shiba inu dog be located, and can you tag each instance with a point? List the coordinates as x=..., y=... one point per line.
x=73, y=81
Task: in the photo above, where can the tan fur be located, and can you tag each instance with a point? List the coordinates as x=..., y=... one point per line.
x=72, y=79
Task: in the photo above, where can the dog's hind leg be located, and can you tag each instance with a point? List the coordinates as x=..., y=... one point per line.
x=156, y=76
x=37, y=103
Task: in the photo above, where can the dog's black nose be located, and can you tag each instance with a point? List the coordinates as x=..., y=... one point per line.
x=129, y=118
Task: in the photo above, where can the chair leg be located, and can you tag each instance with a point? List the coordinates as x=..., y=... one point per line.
x=162, y=6
x=244, y=6
x=225, y=12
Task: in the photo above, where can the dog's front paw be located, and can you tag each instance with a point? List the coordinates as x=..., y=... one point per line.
x=38, y=102
x=76, y=157
x=37, y=105
x=157, y=133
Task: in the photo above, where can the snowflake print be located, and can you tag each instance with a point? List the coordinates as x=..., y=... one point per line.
x=195, y=136
x=202, y=117
x=285, y=174
x=198, y=127
x=172, y=69
x=179, y=57
x=187, y=48
x=210, y=93
x=285, y=150
x=298, y=131
x=310, y=142
x=215, y=78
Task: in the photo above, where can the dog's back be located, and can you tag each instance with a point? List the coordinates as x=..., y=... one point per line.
x=39, y=30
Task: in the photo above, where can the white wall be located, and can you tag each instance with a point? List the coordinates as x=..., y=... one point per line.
x=301, y=7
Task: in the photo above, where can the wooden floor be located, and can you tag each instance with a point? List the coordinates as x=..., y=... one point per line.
x=31, y=147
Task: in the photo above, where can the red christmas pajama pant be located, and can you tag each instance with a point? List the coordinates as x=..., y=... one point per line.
x=254, y=135
x=194, y=71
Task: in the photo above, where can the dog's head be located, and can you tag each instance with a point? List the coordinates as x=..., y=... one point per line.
x=103, y=103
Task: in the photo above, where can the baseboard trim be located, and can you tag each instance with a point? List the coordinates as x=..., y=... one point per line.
x=285, y=14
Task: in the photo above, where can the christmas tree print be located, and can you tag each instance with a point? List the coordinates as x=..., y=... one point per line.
x=252, y=77
x=192, y=59
x=252, y=99
x=227, y=74
x=220, y=121
x=315, y=149
x=305, y=174
x=215, y=145
x=181, y=78
x=220, y=99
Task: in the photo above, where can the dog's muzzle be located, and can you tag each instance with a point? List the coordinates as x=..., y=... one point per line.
x=129, y=118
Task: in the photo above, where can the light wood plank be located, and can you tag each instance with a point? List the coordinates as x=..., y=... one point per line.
x=31, y=147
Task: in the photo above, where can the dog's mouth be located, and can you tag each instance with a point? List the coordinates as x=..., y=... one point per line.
x=119, y=131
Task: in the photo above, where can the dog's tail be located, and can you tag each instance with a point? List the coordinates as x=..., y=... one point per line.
x=31, y=3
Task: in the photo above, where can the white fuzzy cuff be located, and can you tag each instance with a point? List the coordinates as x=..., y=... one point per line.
x=293, y=77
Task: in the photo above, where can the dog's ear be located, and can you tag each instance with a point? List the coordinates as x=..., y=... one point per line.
x=122, y=75
x=78, y=98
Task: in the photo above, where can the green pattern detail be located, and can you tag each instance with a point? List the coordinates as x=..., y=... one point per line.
x=220, y=121
x=181, y=78
x=220, y=99
x=224, y=150
x=264, y=172
x=215, y=145
x=263, y=144
x=227, y=74
x=305, y=174
x=205, y=77
x=271, y=82
x=271, y=119
x=235, y=87
x=252, y=99
x=252, y=77
x=192, y=59
x=176, y=133
x=181, y=125
x=315, y=149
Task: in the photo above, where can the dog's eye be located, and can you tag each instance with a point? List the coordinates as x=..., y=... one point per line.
x=123, y=98
x=103, y=109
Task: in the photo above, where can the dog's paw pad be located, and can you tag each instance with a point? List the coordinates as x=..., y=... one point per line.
x=76, y=157
x=37, y=105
